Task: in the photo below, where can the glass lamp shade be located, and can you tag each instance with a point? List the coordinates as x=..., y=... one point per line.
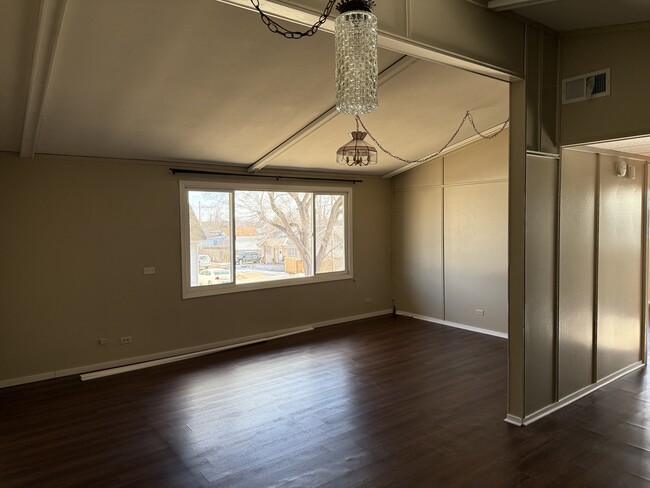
x=357, y=152
x=355, y=37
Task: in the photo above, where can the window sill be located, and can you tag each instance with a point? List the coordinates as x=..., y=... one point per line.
x=211, y=290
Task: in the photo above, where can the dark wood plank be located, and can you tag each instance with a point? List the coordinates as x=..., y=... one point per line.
x=386, y=402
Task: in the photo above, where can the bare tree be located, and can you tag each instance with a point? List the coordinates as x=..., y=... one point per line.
x=291, y=214
x=331, y=216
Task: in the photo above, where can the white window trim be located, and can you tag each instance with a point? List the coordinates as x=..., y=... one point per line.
x=221, y=289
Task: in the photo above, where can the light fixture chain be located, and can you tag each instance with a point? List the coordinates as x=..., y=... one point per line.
x=468, y=116
x=283, y=31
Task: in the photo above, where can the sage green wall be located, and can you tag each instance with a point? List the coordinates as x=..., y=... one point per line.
x=450, y=237
x=622, y=114
x=77, y=235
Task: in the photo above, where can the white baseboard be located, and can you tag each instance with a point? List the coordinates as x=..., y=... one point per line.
x=529, y=419
x=155, y=359
x=514, y=420
x=27, y=379
x=471, y=328
x=351, y=318
x=182, y=357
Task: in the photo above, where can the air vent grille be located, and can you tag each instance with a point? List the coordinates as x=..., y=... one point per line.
x=599, y=83
x=574, y=89
x=585, y=87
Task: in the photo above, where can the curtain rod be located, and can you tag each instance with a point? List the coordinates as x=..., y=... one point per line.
x=176, y=171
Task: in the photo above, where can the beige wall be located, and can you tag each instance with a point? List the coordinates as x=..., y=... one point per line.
x=450, y=237
x=565, y=334
x=622, y=114
x=620, y=267
x=579, y=174
x=541, y=221
x=584, y=280
x=77, y=235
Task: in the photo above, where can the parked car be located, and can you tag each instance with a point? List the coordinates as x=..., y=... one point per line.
x=204, y=261
x=249, y=257
x=213, y=276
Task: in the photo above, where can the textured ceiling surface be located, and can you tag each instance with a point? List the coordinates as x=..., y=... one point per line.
x=565, y=15
x=638, y=145
x=204, y=81
x=17, y=34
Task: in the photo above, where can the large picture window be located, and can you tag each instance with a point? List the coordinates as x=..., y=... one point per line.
x=244, y=237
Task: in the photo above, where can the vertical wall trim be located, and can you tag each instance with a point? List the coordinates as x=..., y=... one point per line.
x=407, y=27
x=517, y=250
x=540, y=80
x=525, y=225
x=444, y=223
x=644, y=285
x=594, y=352
x=558, y=96
x=556, y=312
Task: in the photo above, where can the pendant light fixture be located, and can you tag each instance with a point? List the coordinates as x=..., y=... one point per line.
x=355, y=38
x=357, y=152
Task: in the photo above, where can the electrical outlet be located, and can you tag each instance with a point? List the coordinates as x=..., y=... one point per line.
x=368, y=300
x=479, y=311
x=150, y=270
x=125, y=340
x=102, y=341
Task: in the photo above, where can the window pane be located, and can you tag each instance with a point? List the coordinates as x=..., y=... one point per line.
x=330, y=233
x=273, y=235
x=209, y=238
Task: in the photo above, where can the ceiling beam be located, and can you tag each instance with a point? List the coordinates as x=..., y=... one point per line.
x=286, y=11
x=452, y=148
x=498, y=5
x=50, y=18
x=394, y=69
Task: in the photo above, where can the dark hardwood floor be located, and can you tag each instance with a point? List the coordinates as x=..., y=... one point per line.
x=387, y=402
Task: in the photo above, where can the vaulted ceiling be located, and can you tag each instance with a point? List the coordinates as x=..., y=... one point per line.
x=566, y=15
x=200, y=80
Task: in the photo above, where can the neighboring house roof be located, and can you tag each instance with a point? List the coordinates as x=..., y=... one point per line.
x=276, y=242
x=196, y=231
x=246, y=243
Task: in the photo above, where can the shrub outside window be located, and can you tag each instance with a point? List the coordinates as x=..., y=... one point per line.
x=246, y=237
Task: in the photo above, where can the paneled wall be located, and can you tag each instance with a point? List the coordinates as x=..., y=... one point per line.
x=620, y=267
x=584, y=275
x=576, y=230
x=450, y=227
x=541, y=219
x=577, y=271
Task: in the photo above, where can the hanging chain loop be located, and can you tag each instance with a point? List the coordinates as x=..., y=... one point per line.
x=283, y=31
x=467, y=117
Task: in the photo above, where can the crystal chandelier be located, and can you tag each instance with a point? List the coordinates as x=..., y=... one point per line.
x=357, y=152
x=355, y=38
